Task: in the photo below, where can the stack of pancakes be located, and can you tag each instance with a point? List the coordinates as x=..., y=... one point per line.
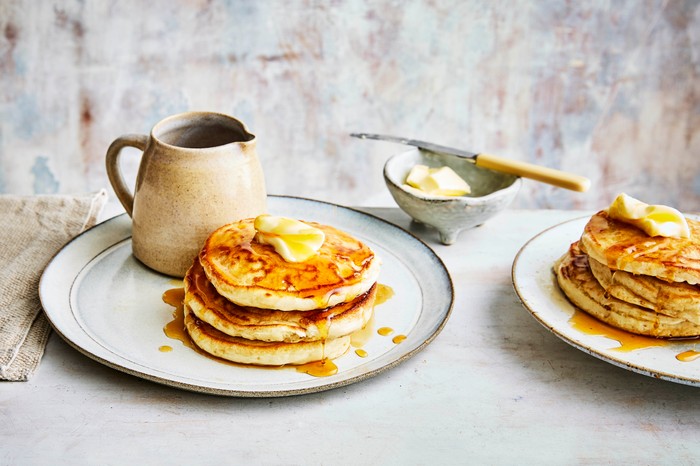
x=246, y=304
x=643, y=284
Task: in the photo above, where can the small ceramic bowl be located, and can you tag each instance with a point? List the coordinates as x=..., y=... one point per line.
x=491, y=192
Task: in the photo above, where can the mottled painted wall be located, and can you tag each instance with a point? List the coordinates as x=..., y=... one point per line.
x=608, y=89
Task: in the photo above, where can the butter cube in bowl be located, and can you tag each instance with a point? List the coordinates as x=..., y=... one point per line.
x=447, y=192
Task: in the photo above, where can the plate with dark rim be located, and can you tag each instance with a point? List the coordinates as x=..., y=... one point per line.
x=109, y=306
x=536, y=285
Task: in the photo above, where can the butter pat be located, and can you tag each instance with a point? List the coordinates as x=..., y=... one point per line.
x=654, y=220
x=295, y=241
x=442, y=181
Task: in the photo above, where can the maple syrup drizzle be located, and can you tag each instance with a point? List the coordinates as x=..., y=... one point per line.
x=362, y=336
x=320, y=368
x=688, y=356
x=174, y=296
x=175, y=329
x=324, y=327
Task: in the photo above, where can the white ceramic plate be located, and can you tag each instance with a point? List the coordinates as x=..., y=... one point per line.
x=109, y=306
x=536, y=286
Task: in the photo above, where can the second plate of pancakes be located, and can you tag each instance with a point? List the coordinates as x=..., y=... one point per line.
x=535, y=284
x=109, y=306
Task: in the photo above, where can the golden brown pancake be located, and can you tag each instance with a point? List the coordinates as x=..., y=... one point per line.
x=252, y=274
x=621, y=246
x=272, y=325
x=244, y=351
x=583, y=290
x=675, y=299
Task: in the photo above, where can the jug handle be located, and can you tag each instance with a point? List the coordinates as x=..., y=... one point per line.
x=124, y=194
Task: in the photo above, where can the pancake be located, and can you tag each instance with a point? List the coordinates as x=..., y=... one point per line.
x=273, y=325
x=244, y=351
x=583, y=290
x=621, y=246
x=675, y=299
x=252, y=274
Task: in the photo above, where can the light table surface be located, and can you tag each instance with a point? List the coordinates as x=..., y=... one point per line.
x=493, y=387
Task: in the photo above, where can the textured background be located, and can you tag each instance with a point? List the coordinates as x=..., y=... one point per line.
x=608, y=89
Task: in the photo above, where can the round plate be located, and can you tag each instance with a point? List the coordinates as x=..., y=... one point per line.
x=109, y=306
x=535, y=284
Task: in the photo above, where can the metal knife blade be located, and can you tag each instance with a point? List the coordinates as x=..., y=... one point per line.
x=494, y=162
x=421, y=144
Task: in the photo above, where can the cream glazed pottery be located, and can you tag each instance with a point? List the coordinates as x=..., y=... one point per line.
x=198, y=171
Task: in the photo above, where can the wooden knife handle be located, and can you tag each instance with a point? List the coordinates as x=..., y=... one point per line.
x=535, y=172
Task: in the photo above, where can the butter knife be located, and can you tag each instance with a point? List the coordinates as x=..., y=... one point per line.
x=493, y=162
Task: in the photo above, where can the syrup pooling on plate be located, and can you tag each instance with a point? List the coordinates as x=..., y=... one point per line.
x=688, y=356
x=628, y=341
x=384, y=294
x=589, y=325
x=323, y=368
x=387, y=331
x=361, y=353
x=398, y=339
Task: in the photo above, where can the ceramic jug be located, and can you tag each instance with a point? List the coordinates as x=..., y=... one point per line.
x=198, y=171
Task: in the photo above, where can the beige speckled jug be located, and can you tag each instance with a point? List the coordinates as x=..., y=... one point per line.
x=198, y=171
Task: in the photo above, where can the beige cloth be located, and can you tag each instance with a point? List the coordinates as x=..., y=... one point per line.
x=34, y=228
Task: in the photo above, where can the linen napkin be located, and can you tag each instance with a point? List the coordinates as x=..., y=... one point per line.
x=34, y=228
